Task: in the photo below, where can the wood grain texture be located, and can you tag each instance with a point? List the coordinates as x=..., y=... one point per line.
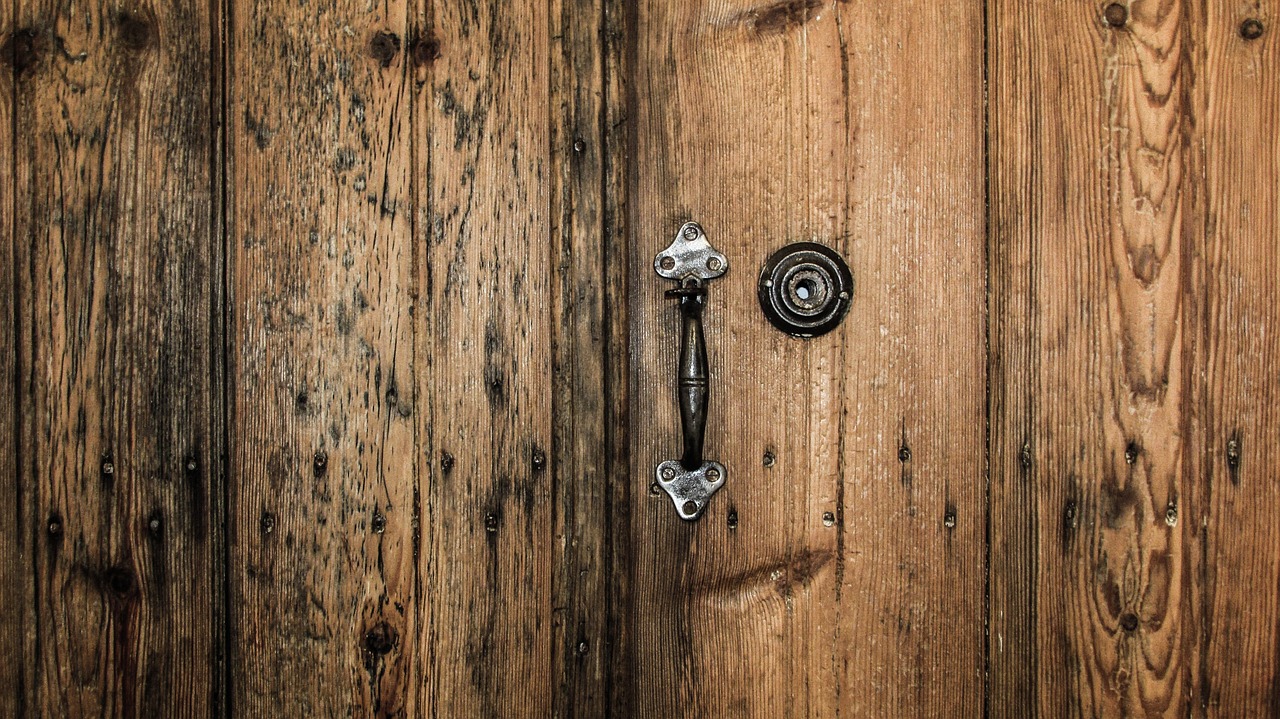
x=840, y=569
x=117, y=255
x=1132, y=256
x=589, y=343
x=1094, y=224
x=16, y=575
x=1231, y=537
x=483, y=320
x=324, y=488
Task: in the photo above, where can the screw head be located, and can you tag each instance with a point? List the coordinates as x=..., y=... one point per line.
x=714, y=264
x=689, y=507
x=713, y=474
x=667, y=263
x=668, y=474
x=691, y=232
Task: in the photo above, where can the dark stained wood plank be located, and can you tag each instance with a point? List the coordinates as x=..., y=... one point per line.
x=118, y=258
x=483, y=176
x=323, y=409
x=1014, y=139
x=618, y=644
x=16, y=575
x=1228, y=512
x=829, y=575
x=585, y=580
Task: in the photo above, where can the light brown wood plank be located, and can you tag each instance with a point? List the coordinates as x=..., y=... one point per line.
x=482, y=133
x=119, y=270
x=322, y=395
x=1228, y=513
x=913, y=437
x=826, y=573
x=1098, y=227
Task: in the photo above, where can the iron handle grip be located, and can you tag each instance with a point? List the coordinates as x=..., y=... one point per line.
x=691, y=261
x=694, y=393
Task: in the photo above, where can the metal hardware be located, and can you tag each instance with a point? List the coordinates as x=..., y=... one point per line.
x=805, y=289
x=691, y=261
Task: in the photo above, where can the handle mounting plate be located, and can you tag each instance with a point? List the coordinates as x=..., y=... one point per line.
x=690, y=490
x=690, y=255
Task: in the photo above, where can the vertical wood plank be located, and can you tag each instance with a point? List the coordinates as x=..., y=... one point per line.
x=828, y=576
x=1099, y=301
x=726, y=608
x=913, y=437
x=482, y=132
x=588, y=581
x=119, y=268
x=16, y=576
x=323, y=459
x=1014, y=137
x=620, y=669
x=1232, y=499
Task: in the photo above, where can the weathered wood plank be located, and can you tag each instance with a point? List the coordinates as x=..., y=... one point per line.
x=482, y=131
x=1113, y=295
x=119, y=268
x=323, y=461
x=1228, y=513
x=16, y=575
x=586, y=582
x=829, y=575
x=620, y=604
x=913, y=437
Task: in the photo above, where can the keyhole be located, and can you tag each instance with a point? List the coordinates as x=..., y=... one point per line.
x=804, y=290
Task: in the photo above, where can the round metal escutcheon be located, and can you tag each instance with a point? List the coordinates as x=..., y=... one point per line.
x=805, y=289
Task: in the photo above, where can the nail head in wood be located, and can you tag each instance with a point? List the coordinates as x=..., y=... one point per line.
x=1116, y=15
x=1251, y=29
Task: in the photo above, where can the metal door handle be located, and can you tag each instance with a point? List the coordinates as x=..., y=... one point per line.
x=691, y=261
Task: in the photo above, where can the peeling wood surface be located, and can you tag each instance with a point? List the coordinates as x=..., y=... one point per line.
x=337, y=367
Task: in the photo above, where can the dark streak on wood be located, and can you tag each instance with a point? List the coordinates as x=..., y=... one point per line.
x=782, y=16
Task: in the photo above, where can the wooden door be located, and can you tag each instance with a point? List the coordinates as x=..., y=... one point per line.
x=339, y=370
